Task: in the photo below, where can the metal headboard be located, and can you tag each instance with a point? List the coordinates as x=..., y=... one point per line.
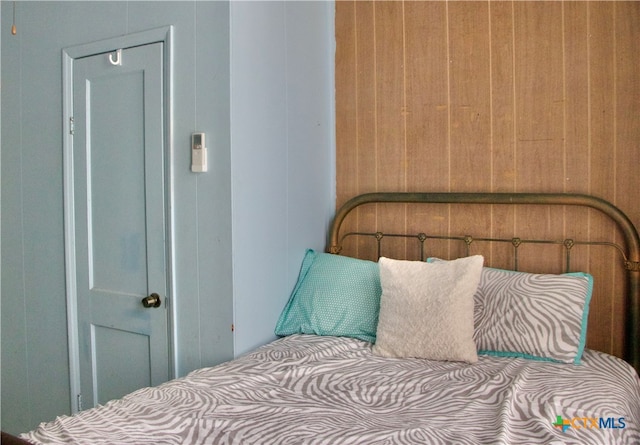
x=630, y=252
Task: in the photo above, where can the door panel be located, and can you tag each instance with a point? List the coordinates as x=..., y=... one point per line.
x=118, y=209
x=119, y=201
x=109, y=345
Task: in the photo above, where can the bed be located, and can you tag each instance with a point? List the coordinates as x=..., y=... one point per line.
x=409, y=350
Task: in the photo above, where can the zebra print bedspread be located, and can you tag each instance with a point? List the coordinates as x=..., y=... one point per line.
x=327, y=390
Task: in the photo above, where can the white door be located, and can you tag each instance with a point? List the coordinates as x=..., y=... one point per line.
x=119, y=201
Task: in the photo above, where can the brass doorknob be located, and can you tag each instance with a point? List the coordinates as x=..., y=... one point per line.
x=152, y=300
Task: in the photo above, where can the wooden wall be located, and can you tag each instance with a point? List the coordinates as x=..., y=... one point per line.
x=498, y=96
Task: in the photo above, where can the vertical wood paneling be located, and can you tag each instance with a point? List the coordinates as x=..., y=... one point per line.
x=538, y=68
x=577, y=151
x=470, y=107
x=576, y=120
x=427, y=115
x=390, y=116
x=602, y=97
x=503, y=167
x=346, y=114
x=389, y=92
x=495, y=96
x=366, y=126
x=427, y=105
x=602, y=150
x=627, y=112
x=539, y=95
x=469, y=95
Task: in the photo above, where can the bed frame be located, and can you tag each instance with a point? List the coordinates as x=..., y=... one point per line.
x=629, y=252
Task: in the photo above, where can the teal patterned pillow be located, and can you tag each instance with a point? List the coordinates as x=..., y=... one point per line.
x=335, y=295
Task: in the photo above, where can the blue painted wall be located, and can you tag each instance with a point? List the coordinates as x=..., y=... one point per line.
x=258, y=79
x=282, y=134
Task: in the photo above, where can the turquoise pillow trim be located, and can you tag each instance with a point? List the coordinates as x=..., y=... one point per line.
x=585, y=313
x=335, y=296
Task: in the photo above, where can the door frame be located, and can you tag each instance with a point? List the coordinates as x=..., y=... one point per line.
x=165, y=36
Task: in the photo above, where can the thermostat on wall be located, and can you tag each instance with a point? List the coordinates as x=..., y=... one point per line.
x=198, y=153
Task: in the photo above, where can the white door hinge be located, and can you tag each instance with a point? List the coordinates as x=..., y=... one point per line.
x=71, y=126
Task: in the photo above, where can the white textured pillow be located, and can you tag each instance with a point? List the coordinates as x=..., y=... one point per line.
x=426, y=309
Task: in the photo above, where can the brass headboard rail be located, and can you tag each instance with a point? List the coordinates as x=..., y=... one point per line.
x=629, y=233
x=568, y=244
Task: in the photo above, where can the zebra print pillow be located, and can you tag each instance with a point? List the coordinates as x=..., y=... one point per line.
x=534, y=316
x=537, y=316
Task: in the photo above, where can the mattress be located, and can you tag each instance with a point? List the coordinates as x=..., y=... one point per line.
x=332, y=390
